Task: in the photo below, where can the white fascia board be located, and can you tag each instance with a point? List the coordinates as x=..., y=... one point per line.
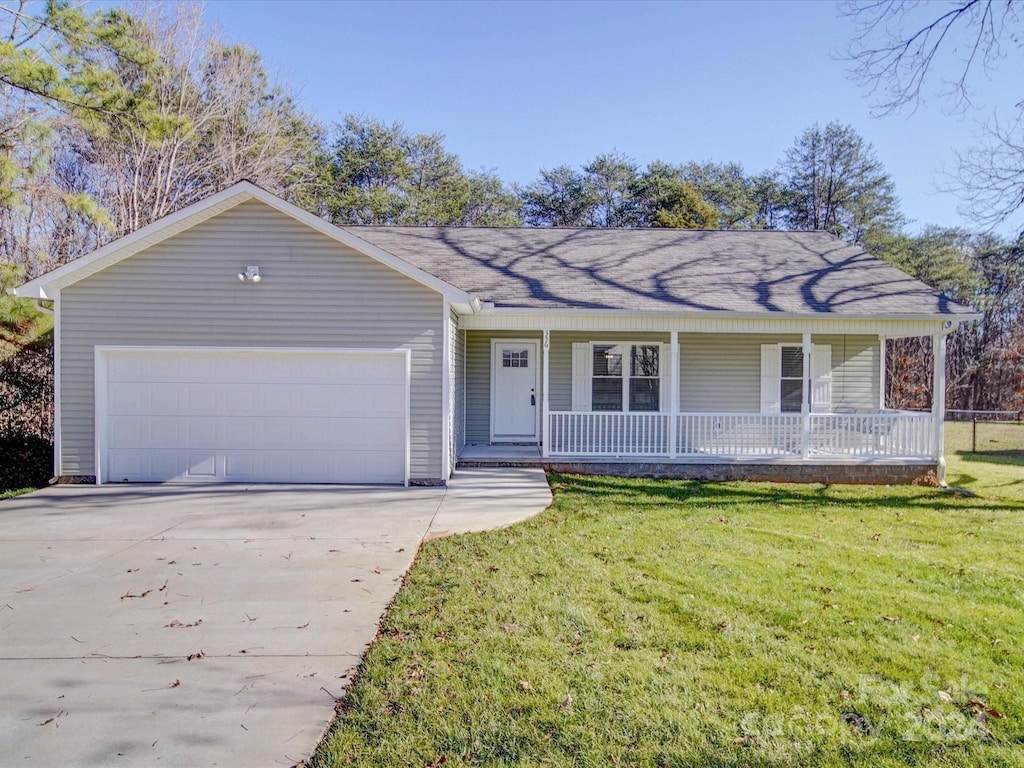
x=45, y=286
x=490, y=309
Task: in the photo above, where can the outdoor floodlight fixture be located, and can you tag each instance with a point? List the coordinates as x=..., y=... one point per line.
x=251, y=274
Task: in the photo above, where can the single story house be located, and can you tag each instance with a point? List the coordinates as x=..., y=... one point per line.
x=244, y=339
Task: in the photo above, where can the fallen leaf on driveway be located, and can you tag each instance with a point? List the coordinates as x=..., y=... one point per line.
x=176, y=683
x=194, y=656
x=175, y=624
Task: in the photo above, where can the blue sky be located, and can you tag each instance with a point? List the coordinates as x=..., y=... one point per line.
x=519, y=86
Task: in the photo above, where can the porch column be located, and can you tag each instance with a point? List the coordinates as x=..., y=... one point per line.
x=545, y=376
x=805, y=405
x=881, y=373
x=673, y=423
x=939, y=404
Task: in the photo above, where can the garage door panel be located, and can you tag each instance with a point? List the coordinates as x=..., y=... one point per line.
x=273, y=416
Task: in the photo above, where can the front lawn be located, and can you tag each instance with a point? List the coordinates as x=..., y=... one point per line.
x=658, y=623
x=997, y=470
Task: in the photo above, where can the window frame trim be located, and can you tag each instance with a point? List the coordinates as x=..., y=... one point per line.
x=625, y=377
x=805, y=364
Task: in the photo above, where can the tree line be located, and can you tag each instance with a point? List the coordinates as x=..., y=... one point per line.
x=113, y=118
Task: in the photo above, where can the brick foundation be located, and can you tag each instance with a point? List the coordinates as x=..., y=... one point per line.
x=870, y=474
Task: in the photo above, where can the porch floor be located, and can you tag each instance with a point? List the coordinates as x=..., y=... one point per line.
x=530, y=456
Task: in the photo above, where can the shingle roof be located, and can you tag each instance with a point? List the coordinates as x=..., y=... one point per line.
x=661, y=270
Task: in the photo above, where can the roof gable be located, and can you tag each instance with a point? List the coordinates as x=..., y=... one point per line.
x=46, y=286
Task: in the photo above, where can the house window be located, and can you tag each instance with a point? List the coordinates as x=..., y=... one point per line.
x=792, y=380
x=515, y=358
x=634, y=386
x=606, y=385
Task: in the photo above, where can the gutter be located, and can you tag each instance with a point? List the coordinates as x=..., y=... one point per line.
x=489, y=308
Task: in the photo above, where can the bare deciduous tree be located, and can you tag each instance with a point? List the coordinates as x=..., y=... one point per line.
x=903, y=51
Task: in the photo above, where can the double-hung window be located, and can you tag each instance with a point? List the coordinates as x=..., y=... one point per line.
x=791, y=382
x=783, y=382
x=625, y=377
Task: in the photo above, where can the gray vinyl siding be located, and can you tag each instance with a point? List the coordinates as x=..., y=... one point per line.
x=457, y=345
x=478, y=380
x=717, y=372
x=855, y=372
x=315, y=292
x=722, y=372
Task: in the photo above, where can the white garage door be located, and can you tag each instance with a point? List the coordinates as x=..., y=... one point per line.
x=276, y=416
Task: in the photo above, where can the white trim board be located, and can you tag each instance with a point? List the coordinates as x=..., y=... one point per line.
x=57, y=432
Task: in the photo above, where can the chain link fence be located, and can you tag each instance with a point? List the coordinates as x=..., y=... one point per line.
x=985, y=431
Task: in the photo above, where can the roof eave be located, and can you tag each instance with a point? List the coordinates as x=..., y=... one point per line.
x=490, y=309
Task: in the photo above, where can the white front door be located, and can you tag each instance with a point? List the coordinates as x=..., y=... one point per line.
x=515, y=385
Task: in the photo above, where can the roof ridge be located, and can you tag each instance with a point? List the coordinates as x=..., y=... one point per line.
x=591, y=229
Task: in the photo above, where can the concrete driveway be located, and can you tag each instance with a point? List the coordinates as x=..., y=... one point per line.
x=176, y=625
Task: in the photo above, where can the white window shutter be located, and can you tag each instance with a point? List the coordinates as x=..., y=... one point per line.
x=821, y=378
x=771, y=378
x=665, y=374
x=582, y=364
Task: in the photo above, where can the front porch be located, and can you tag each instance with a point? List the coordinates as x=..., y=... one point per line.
x=651, y=402
x=713, y=437
x=847, y=469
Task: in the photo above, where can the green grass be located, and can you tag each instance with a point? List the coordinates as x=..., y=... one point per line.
x=989, y=474
x=15, y=492
x=666, y=623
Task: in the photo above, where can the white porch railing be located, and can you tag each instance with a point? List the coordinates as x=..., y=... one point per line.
x=601, y=433
x=741, y=435
x=895, y=435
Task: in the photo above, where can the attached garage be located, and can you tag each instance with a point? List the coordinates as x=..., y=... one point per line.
x=271, y=415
